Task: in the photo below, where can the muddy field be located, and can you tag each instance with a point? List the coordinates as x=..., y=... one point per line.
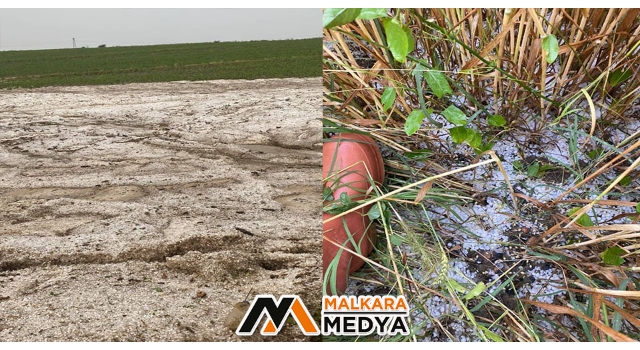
x=144, y=212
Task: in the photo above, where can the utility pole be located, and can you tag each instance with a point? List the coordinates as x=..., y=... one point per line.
x=74, y=43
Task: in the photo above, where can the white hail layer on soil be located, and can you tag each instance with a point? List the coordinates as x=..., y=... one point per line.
x=489, y=224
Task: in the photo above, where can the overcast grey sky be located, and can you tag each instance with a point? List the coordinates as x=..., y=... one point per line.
x=27, y=29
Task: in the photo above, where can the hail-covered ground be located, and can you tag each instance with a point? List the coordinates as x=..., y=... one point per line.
x=145, y=212
x=489, y=239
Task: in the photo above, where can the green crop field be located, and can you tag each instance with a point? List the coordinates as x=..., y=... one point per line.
x=132, y=64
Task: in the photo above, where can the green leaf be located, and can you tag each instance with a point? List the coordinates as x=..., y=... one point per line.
x=337, y=17
x=411, y=45
x=486, y=147
x=533, y=169
x=546, y=167
x=419, y=154
x=638, y=208
x=619, y=76
x=437, y=82
x=474, y=139
x=457, y=286
x=613, y=256
x=550, y=47
x=496, y=120
x=397, y=39
x=344, y=198
x=327, y=122
x=458, y=134
x=517, y=165
x=388, y=98
x=337, y=208
x=455, y=116
x=417, y=73
x=479, y=288
x=490, y=335
x=386, y=217
x=584, y=219
x=625, y=180
x=372, y=13
x=374, y=212
x=395, y=240
x=547, y=256
x=327, y=194
x=414, y=120
x=595, y=153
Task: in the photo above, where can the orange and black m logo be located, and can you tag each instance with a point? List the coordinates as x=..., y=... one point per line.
x=277, y=313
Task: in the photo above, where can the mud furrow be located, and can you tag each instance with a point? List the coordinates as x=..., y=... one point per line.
x=150, y=253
